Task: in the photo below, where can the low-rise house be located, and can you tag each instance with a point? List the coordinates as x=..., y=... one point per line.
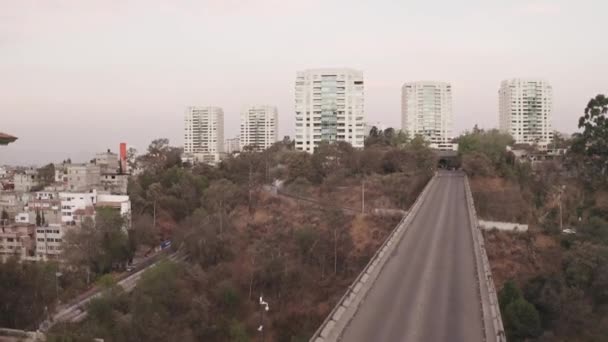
x=49, y=242
x=22, y=218
x=49, y=209
x=8, y=201
x=114, y=183
x=46, y=195
x=26, y=180
x=108, y=162
x=16, y=241
x=83, y=177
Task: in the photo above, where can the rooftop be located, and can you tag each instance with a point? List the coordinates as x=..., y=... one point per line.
x=6, y=139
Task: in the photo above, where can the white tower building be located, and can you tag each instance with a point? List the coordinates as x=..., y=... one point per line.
x=204, y=133
x=426, y=110
x=525, y=107
x=329, y=107
x=259, y=127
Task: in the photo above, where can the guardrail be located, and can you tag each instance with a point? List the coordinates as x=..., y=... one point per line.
x=492, y=320
x=333, y=326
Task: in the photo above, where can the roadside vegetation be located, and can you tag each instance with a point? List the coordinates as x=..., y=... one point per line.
x=299, y=249
x=553, y=285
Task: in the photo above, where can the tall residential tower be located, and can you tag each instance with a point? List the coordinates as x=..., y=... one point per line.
x=329, y=107
x=259, y=127
x=204, y=133
x=426, y=110
x=525, y=107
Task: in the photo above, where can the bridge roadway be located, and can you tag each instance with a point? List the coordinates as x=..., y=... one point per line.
x=428, y=289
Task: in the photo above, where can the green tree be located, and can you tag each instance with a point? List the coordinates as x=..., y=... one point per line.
x=238, y=333
x=4, y=218
x=299, y=164
x=521, y=320
x=46, y=175
x=132, y=159
x=99, y=245
x=492, y=144
x=220, y=198
x=477, y=164
x=509, y=293
x=25, y=290
x=594, y=140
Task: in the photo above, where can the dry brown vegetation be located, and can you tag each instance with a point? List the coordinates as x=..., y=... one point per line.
x=501, y=200
x=521, y=257
x=300, y=253
x=308, y=287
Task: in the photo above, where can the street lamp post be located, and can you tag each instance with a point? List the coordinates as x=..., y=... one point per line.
x=263, y=307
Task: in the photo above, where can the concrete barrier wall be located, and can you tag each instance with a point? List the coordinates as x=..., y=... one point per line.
x=344, y=311
x=507, y=226
x=492, y=319
x=21, y=335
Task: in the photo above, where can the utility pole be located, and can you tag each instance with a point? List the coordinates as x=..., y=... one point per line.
x=561, y=220
x=57, y=275
x=363, y=197
x=250, y=186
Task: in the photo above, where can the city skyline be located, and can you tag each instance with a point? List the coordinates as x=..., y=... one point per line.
x=79, y=78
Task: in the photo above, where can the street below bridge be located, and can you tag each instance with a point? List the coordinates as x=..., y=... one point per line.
x=428, y=289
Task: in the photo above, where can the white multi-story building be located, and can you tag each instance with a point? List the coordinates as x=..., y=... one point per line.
x=259, y=127
x=49, y=241
x=525, y=107
x=329, y=106
x=204, y=134
x=72, y=202
x=426, y=110
x=232, y=145
x=76, y=206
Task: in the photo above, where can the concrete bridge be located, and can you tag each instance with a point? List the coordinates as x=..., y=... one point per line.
x=430, y=280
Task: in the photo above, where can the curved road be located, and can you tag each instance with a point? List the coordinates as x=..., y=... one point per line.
x=428, y=289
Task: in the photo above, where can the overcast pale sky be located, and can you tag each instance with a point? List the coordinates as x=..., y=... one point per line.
x=77, y=77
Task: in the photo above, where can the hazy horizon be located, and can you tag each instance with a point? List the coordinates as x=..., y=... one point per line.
x=80, y=77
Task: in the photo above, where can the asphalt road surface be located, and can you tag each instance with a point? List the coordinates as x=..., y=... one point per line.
x=427, y=291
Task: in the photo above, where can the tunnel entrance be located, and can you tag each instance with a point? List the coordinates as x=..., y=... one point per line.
x=448, y=160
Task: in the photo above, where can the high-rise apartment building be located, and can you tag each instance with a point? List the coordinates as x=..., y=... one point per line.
x=426, y=110
x=259, y=127
x=329, y=107
x=232, y=145
x=525, y=107
x=204, y=134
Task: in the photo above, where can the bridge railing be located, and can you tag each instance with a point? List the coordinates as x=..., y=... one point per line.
x=492, y=319
x=345, y=309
